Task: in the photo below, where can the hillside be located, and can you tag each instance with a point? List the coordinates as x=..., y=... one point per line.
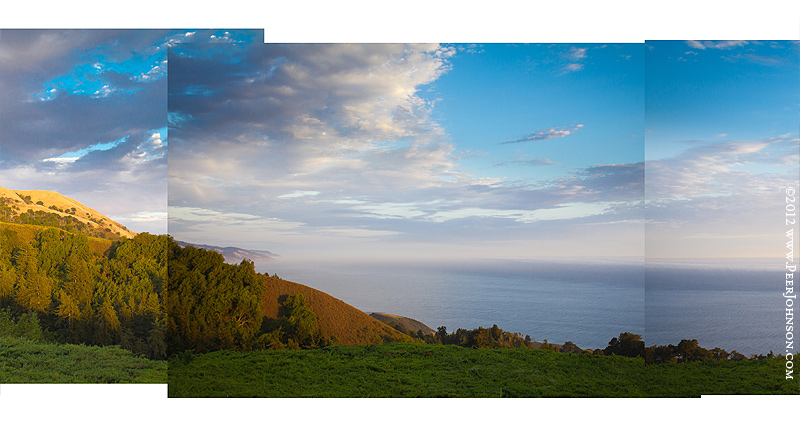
x=403, y=324
x=336, y=318
x=98, y=246
x=44, y=206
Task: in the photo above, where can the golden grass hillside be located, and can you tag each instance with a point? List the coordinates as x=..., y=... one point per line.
x=336, y=318
x=55, y=203
x=402, y=323
x=99, y=246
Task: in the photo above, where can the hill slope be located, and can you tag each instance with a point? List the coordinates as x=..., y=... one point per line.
x=336, y=318
x=16, y=203
x=403, y=324
x=98, y=246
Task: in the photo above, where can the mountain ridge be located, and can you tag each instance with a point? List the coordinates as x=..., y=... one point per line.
x=233, y=254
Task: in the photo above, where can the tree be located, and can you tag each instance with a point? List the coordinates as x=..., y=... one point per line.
x=548, y=346
x=302, y=321
x=570, y=347
x=736, y=356
x=109, y=325
x=719, y=354
x=627, y=345
x=690, y=350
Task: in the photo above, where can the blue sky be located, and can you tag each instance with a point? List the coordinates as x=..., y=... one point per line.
x=721, y=146
x=734, y=89
x=314, y=151
x=497, y=96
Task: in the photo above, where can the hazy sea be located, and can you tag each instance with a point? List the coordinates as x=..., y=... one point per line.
x=586, y=302
x=738, y=307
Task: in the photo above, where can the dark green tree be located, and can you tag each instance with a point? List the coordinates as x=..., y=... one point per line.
x=626, y=345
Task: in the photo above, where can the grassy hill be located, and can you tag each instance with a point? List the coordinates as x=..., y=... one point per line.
x=336, y=318
x=403, y=324
x=99, y=246
x=421, y=370
x=17, y=203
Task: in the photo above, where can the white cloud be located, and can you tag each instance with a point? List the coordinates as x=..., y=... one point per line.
x=298, y=194
x=716, y=168
x=62, y=160
x=714, y=200
x=696, y=45
x=356, y=233
x=560, y=212
x=547, y=134
x=576, y=53
x=391, y=210
x=724, y=45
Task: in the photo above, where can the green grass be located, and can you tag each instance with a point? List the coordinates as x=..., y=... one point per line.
x=28, y=362
x=419, y=370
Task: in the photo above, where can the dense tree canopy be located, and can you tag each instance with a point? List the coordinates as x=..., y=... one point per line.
x=114, y=298
x=211, y=305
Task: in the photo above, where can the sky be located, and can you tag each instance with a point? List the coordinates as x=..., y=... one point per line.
x=83, y=113
x=721, y=147
x=412, y=151
x=471, y=150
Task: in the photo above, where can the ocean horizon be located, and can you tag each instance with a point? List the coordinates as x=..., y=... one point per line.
x=586, y=302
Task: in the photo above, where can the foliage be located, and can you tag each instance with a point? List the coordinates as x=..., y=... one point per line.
x=626, y=345
x=688, y=351
x=211, y=305
x=82, y=295
x=476, y=338
x=27, y=326
x=299, y=326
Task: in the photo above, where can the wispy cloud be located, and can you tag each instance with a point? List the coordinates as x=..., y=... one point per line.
x=723, y=45
x=547, y=134
x=527, y=161
x=692, y=198
x=576, y=53
x=575, y=59
x=755, y=59
x=715, y=169
x=298, y=194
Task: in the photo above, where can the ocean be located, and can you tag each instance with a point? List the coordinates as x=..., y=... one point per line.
x=586, y=302
x=736, y=308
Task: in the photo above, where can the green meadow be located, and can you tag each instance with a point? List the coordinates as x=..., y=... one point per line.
x=422, y=370
x=30, y=362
